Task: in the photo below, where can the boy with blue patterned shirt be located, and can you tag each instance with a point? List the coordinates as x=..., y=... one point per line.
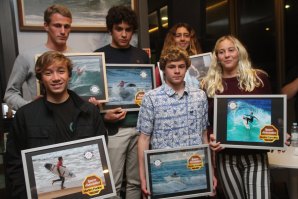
x=173, y=115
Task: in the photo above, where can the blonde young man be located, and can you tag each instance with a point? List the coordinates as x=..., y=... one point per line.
x=57, y=23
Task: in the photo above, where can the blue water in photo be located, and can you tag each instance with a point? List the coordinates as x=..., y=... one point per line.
x=173, y=176
x=123, y=84
x=86, y=74
x=83, y=12
x=238, y=128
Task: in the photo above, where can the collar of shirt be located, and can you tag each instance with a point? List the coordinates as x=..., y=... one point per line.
x=171, y=92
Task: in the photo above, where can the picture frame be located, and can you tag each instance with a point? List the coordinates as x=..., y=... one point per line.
x=86, y=15
x=86, y=169
x=197, y=71
x=89, y=75
x=127, y=84
x=88, y=78
x=184, y=172
x=250, y=121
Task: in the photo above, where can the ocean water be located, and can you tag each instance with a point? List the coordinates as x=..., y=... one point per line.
x=85, y=12
x=237, y=130
x=74, y=160
x=184, y=179
x=136, y=79
x=86, y=73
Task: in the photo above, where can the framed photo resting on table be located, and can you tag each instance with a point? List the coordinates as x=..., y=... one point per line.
x=179, y=172
x=127, y=84
x=86, y=170
x=250, y=121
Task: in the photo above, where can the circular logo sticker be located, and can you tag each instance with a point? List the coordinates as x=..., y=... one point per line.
x=88, y=155
x=94, y=89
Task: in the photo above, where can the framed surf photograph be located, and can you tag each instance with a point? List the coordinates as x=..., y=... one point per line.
x=179, y=173
x=88, y=77
x=86, y=15
x=76, y=169
x=197, y=71
x=127, y=84
x=250, y=121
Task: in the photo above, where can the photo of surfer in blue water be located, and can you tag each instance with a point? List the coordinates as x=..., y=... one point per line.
x=246, y=117
x=125, y=82
x=170, y=173
x=87, y=78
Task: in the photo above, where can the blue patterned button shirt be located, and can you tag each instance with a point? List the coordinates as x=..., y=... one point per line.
x=171, y=120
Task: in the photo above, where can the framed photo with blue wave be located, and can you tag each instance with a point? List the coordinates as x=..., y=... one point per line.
x=85, y=171
x=127, y=84
x=88, y=77
x=87, y=16
x=250, y=121
x=179, y=172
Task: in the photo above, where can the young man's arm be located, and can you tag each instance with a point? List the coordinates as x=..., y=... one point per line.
x=13, y=94
x=143, y=144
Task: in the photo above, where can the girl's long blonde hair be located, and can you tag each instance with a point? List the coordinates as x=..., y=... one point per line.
x=194, y=46
x=248, y=78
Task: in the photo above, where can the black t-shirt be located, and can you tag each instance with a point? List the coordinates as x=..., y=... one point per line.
x=64, y=115
x=130, y=55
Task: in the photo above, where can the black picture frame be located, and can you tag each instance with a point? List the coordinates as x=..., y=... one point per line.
x=127, y=84
x=87, y=170
x=179, y=172
x=250, y=121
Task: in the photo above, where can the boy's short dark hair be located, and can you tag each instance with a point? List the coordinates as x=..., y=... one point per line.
x=117, y=14
x=173, y=54
x=48, y=58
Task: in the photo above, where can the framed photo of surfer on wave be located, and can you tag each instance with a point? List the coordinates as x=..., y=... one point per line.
x=127, y=84
x=88, y=77
x=76, y=169
x=250, y=121
x=179, y=172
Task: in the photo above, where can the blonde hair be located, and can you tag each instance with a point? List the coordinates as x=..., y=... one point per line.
x=194, y=46
x=248, y=78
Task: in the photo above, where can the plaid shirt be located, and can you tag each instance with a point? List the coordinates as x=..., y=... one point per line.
x=171, y=120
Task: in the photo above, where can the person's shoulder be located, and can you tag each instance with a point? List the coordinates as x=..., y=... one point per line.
x=196, y=91
x=103, y=49
x=32, y=106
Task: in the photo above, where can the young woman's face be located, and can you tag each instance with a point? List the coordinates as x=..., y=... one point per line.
x=228, y=57
x=182, y=38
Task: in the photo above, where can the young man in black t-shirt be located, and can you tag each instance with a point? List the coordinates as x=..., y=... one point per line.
x=59, y=116
x=122, y=23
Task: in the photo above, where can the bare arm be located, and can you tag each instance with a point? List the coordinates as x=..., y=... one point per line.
x=143, y=144
x=290, y=89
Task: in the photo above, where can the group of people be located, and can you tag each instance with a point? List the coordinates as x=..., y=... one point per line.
x=176, y=114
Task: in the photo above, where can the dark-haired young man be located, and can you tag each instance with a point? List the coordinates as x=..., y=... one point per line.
x=122, y=23
x=59, y=116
